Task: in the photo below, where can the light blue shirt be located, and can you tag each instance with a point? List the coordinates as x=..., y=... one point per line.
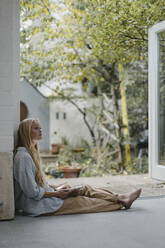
x=28, y=195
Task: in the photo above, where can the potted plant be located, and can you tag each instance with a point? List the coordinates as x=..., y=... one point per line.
x=78, y=149
x=56, y=148
x=68, y=166
x=70, y=171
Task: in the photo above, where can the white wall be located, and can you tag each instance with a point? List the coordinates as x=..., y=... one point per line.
x=73, y=128
x=9, y=100
x=38, y=107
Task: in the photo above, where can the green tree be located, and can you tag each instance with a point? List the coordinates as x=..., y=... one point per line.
x=68, y=39
x=83, y=41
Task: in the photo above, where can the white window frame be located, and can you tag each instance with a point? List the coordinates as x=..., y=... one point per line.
x=156, y=170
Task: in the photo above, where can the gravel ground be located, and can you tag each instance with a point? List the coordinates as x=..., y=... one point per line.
x=119, y=184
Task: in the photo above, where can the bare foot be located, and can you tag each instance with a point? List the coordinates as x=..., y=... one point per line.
x=128, y=199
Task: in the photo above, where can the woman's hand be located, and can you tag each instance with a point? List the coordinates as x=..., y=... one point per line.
x=62, y=193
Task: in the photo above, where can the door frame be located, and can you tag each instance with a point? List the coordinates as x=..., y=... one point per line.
x=156, y=170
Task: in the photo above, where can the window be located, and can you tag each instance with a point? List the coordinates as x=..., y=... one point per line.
x=64, y=116
x=57, y=115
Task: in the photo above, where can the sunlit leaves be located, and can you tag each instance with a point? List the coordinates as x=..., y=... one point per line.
x=72, y=36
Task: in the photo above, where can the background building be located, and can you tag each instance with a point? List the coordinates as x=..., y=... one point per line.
x=35, y=105
x=59, y=119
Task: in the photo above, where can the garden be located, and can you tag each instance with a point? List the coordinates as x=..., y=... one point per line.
x=102, y=46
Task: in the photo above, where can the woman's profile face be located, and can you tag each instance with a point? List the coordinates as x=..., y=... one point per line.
x=36, y=133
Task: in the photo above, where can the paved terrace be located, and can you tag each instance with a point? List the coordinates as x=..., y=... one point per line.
x=139, y=227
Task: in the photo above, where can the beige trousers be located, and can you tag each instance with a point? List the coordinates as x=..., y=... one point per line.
x=89, y=200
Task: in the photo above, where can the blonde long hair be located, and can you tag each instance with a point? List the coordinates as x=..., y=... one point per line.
x=24, y=139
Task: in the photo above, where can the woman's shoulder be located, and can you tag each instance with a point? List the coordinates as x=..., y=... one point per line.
x=22, y=153
x=23, y=160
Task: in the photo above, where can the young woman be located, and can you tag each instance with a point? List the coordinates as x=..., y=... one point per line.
x=35, y=197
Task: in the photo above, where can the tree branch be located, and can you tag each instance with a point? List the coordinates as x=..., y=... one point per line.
x=79, y=109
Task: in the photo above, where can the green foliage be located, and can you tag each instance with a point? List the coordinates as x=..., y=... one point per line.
x=65, y=40
x=137, y=99
x=119, y=29
x=83, y=41
x=137, y=169
x=89, y=165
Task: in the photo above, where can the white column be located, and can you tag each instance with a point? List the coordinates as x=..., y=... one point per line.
x=9, y=100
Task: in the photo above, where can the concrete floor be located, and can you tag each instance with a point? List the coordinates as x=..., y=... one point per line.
x=139, y=227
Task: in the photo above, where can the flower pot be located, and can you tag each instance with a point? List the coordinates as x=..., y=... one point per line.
x=56, y=148
x=70, y=172
x=76, y=150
